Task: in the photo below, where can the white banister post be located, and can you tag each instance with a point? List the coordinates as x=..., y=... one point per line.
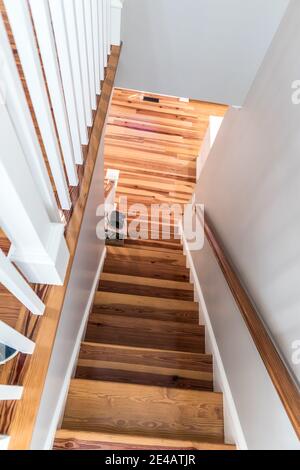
x=19, y=112
x=9, y=393
x=90, y=50
x=21, y=25
x=42, y=21
x=63, y=52
x=15, y=283
x=115, y=22
x=72, y=31
x=108, y=27
x=95, y=16
x=15, y=340
x=80, y=16
x=38, y=247
x=104, y=18
x=101, y=39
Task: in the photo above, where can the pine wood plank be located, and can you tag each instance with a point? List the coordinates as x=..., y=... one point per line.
x=156, y=270
x=84, y=440
x=172, y=259
x=108, y=298
x=145, y=332
x=144, y=410
x=145, y=366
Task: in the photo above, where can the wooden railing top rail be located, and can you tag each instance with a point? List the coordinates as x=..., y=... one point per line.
x=281, y=377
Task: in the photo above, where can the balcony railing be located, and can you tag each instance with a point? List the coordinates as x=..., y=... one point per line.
x=53, y=55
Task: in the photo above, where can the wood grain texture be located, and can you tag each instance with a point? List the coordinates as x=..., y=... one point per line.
x=146, y=256
x=141, y=332
x=278, y=371
x=17, y=419
x=157, y=269
x=84, y=440
x=145, y=366
x=144, y=410
x=120, y=287
x=155, y=145
x=144, y=307
x=142, y=369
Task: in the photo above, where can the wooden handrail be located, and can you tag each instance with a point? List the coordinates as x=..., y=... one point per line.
x=280, y=375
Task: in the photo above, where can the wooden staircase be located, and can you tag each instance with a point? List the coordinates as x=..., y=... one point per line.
x=143, y=379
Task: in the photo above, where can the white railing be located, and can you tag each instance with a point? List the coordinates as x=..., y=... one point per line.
x=63, y=48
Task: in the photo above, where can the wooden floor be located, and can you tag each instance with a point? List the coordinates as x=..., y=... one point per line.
x=155, y=145
x=143, y=379
x=9, y=305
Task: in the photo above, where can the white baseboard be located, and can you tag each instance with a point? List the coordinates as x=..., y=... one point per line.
x=233, y=430
x=59, y=412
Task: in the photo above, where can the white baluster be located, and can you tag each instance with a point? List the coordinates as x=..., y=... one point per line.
x=19, y=112
x=15, y=283
x=10, y=393
x=43, y=27
x=101, y=39
x=15, y=340
x=80, y=16
x=105, y=42
x=70, y=20
x=95, y=16
x=90, y=46
x=116, y=17
x=108, y=27
x=20, y=22
x=38, y=247
x=63, y=52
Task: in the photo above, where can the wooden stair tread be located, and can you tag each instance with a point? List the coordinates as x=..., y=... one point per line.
x=145, y=366
x=144, y=410
x=146, y=291
x=144, y=312
x=145, y=307
x=146, y=256
x=109, y=298
x=157, y=269
x=84, y=440
x=140, y=332
x=159, y=245
x=146, y=281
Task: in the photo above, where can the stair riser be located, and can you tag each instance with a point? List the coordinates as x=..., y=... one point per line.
x=154, y=270
x=132, y=377
x=99, y=333
x=157, y=292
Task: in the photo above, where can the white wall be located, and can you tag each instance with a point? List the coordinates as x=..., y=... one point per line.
x=251, y=188
x=254, y=417
x=89, y=253
x=203, y=49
